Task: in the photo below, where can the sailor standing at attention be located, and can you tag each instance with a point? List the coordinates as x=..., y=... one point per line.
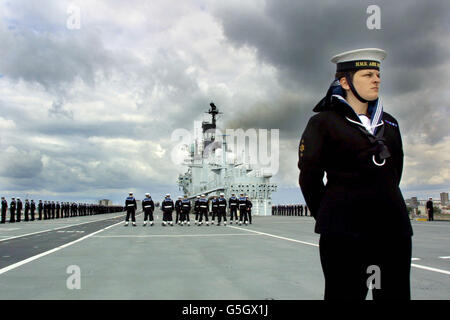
x=233, y=206
x=359, y=147
x=148, y=206
x=197, y=208
x=243, y=209
x=131, y=206
x=167, y=206
x=203, y=209
x=19, y=207
x=178, y=210
x=222, y=212
x=185, y=209
x=4, y=209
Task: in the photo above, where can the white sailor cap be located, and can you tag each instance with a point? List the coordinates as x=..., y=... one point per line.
x=203, y=195
x=167, y=195
x=222, y=194
x=198, y=196
x=180, y=197
x=368, y=58
x=130, y=192
x=147, y=194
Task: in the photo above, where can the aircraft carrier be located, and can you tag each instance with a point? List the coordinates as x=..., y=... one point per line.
x=211, y=171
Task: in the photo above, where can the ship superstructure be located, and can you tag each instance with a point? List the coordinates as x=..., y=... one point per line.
x=211, y=171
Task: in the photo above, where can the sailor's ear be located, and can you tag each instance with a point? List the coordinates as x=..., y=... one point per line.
x=344, y=83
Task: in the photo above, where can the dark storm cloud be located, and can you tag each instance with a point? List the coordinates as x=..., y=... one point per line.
x=299, y=38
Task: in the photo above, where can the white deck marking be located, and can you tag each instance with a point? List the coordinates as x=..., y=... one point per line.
x=316, y=245
x=274, y=236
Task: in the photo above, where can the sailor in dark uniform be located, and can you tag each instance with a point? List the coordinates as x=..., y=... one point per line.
x=27, y=209
x=222, y=211
x=203, y=210
x=4, y=209
x=19, y=208
x=58, y=210
x=131, y=206
x=214, y=209
x=178, y=210
x=167, y=206
x=148, y=207
x=12, y=211
x=196, y=208
x=40, y=209
x=243, y=209
x=32, y=209
x=359, y=147
x=429, y=209
x=53, y=208
x=233, y=206
x=249, y=209
x=185, y=209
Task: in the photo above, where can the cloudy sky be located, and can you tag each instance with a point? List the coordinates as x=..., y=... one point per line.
x=88, y=105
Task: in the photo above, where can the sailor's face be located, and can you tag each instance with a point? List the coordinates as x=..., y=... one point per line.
x=367, y=83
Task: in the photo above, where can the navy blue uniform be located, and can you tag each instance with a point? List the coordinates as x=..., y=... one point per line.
x=222, y=210
x=233, y=206
x=131, y=206
x=148, y=207
x=185, y=209
x=167, y=206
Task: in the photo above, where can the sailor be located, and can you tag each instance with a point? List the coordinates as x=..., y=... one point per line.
x=53, y=209
x=131, y=206
x=58, y=210
x=430, y=210
x=167, y=208
x=359, y=147
x=148, y=207
x=243, y=209
x=197, y=208
x=185, y=209
x=214, y=208
x=4, y=209
x=178, y=210
x=27, y=209
x=19, y=208
x=222, y=211
x=40, y=209
x=233, y=206
x=203, y=209
x=249, y=210
x=12, y=211
x=32, y=209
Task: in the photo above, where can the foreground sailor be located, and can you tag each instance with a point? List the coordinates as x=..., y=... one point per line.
x=4, y=209
x=148, y=207
x=131, y=206
x=185, y=209
x=167, y=208
x=359, y=147
x=222, y=211
x=233, y=206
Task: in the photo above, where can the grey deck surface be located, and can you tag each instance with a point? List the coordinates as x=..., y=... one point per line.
x=274, y=258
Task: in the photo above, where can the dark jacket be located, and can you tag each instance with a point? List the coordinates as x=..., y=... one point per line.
x=167, y=205
x=359, y=197
x=130, y=203
x=147, y=204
